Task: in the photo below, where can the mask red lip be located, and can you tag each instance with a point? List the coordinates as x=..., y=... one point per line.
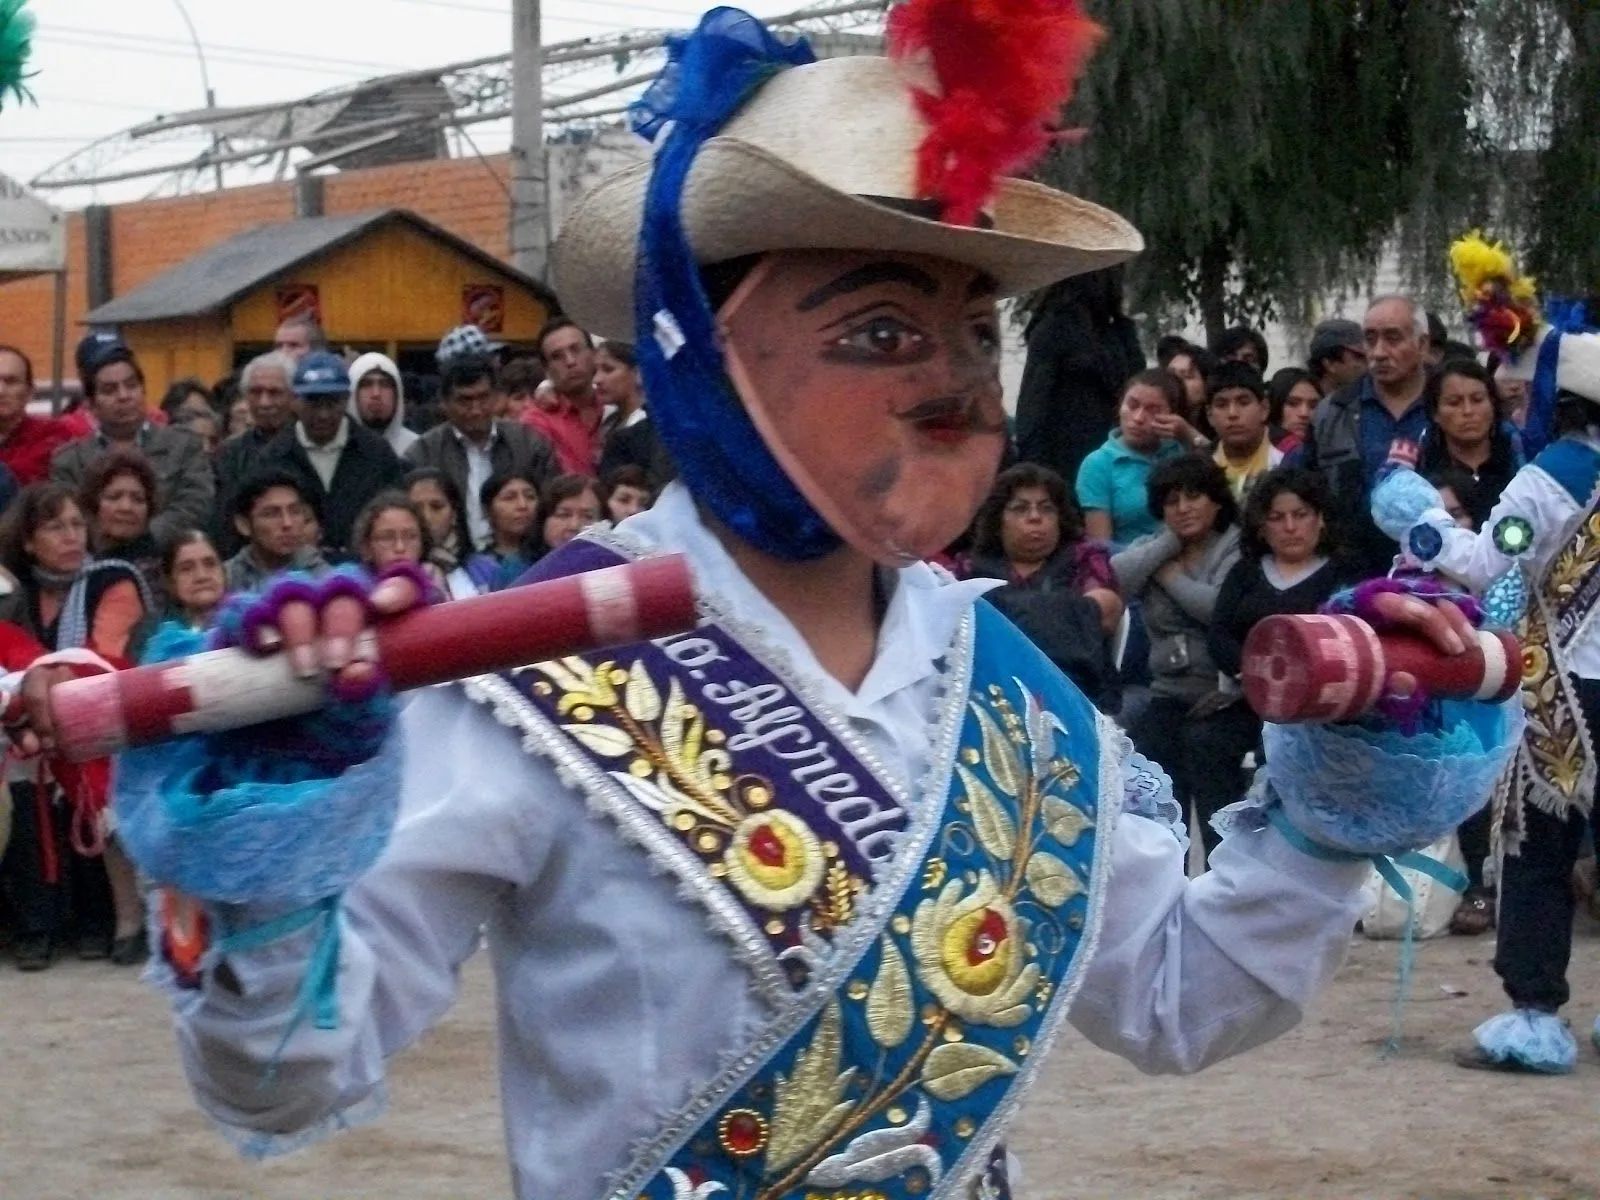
x=947, y=430
x=948, y=420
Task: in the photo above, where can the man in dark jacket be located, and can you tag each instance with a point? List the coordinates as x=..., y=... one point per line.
x=266, y=383
x=114, y=385
x=1351, y=435
x=471, y=445
x=343, y=463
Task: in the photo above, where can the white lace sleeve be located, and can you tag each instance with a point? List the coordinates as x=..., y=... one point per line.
x=1147, y=792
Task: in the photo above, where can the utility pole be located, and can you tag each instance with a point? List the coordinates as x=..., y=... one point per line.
x=530, y=184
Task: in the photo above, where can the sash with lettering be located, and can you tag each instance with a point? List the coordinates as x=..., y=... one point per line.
x=917, y=951
x=1555, y=765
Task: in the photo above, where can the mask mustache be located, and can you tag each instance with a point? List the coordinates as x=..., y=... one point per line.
x=952, y=412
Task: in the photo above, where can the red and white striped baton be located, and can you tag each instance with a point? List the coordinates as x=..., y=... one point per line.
x=231, y=689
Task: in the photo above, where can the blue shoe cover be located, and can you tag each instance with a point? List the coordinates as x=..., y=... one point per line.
x=1594, y=1035
x=1531, y=1038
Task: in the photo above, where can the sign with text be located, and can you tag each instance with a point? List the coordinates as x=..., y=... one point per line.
x=33, y=236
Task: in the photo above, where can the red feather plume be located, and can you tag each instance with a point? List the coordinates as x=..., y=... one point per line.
x=1005, y=68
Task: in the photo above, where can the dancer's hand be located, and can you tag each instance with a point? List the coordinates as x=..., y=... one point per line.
x=1442, y=621
x=325, y=626
x=36, y=734
x=1423, y=605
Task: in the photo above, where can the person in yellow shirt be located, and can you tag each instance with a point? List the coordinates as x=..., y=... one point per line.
x=1236, y=406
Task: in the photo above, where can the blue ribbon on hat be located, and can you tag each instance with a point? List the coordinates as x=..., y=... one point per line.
x=696, y=411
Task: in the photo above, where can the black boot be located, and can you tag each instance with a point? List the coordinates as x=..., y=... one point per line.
x=34, y=952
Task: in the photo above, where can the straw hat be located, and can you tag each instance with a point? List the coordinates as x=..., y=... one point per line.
x=824, y=157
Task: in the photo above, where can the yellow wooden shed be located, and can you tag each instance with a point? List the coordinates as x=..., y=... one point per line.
x=381, y=280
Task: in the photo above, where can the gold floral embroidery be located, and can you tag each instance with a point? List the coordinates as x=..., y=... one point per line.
x=679, y=768
x=967, y=947
x=969, y=954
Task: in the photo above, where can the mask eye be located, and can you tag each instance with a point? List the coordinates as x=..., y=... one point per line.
x=882, y=337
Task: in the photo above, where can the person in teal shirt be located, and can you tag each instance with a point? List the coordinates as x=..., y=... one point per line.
x=1150, y=429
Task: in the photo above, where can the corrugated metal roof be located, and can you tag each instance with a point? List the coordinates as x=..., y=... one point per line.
x=215, y=278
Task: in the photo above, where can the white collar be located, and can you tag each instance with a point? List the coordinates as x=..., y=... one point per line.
x=335, y=446
x=925, y=606
x=488, y=442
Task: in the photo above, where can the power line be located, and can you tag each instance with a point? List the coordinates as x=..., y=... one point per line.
x=286, y=64
x=683, y=15
x=79, y=101
x=122, y=35
x=505, y=14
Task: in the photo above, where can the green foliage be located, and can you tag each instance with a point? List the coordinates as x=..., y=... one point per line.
x=1270, y=150
x=16, y=43
x=1565, y=244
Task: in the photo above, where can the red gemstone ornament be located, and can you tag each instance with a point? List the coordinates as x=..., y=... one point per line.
x=767, y=847
x=987, y=938
x=742, y=1132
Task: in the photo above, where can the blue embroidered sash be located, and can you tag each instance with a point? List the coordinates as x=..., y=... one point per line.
x=918, y=956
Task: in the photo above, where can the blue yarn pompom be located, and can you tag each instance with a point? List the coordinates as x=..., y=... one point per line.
x=1403, y=499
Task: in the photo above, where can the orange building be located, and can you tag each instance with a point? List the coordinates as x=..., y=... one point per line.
x=114, y=250
x=383, y=280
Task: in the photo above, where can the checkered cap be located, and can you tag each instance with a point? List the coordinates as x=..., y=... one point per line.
x=462, y=341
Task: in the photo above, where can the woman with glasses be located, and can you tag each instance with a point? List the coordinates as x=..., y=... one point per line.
x=391, y=529
x=58, y=882
x=1059, y=588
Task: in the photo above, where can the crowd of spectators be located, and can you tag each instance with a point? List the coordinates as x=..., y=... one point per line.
x=1216, y=495
x=123, y=513
x=1157, y=514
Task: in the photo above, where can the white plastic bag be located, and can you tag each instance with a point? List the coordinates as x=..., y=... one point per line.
x=1384, y=916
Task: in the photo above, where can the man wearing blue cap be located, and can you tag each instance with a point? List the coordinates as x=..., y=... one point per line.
x=113, y=385
x=343, y=463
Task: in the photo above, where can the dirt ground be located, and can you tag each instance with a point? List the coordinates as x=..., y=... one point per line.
x=95, y=1107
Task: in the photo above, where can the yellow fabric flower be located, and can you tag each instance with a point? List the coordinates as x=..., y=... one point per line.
x=775, y=860
x=970, y=954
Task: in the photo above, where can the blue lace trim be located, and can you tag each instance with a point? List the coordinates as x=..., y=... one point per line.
x=1367, y=791
x=1147, y=792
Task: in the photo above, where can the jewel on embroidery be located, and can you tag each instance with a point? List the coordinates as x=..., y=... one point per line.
x=742, y=1132
x=986, y=938
x=1513, y=536
x=775, y=860
x=764, y=844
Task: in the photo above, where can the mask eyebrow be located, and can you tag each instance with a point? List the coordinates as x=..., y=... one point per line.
x=983, y=285
x=867, y=276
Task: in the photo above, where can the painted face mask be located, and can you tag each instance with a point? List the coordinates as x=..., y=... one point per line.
x=874, y=381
